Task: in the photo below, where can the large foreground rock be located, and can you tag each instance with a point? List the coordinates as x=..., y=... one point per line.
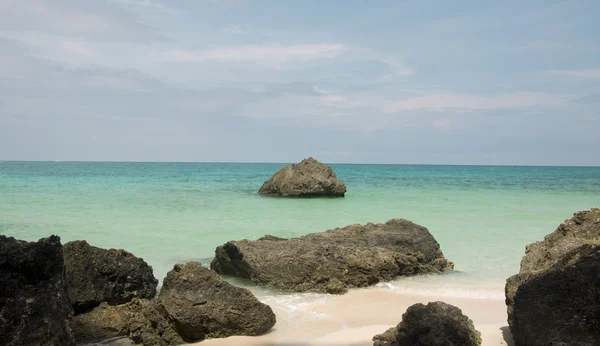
x=34, y=306
x=309, y=178
x=203, y=306
x=332, y=261
x=554, y=298
x=194, y=304
x=434, y=324
x=98, y=275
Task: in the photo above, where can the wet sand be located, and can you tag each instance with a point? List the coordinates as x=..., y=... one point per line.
x=355, y=317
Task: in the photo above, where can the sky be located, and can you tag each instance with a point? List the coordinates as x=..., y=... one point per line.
x=409, y=82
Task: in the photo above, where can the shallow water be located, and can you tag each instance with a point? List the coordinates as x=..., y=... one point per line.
x=482, y=216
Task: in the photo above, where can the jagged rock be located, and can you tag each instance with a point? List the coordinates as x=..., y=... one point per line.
x=194, y=304
x=104, y=322
x=309, y=178
x=387, y=338
x=201, y=305
x=434, y=324
x=143, y=321
x=97, y=275
x=335, y=260
x=554, y=298
x=151, y=326
x=34, y=306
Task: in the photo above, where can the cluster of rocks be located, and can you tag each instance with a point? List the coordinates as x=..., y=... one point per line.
x=77, y=293
x=52, y=294
x=553, y=300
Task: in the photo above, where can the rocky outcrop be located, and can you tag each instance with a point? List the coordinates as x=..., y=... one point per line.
x=554, y=298
x=201, y=305
x=434, y=324
x=194, y=304
x=34, y=306
x=113, y=276
x=309, y=178
x=335, y=260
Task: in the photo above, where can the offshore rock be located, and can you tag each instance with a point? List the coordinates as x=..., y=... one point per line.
x=309, y=178
x=334, y=260
x=554, y=298
x=34, y=305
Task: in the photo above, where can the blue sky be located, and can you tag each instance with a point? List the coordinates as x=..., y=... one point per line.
x=445, y=82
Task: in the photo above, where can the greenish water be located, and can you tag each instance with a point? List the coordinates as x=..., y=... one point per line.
x=482, y=216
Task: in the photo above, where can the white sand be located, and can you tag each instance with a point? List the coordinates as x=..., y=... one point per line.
x=355, y=317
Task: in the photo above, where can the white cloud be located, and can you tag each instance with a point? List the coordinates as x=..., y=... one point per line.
x=273, y=55
x=324, y=91
x=88, y=20
x=443, y=124
x=234, y=30
x=397, y=67
x=441, y=101
x=593, y=73
x=143, y=4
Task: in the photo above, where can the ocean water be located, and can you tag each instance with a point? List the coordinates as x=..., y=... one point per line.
x=168, y=213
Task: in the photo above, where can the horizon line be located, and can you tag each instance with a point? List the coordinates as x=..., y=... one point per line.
x=283, y=163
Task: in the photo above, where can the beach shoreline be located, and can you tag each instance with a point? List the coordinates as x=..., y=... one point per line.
x=355, y=317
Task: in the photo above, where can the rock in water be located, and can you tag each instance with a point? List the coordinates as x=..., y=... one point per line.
x=201, y=305
x=309, y=178
x=554, y=298
x=34, y=306
x=97, y=275
x=332, y=261
x=434, y=324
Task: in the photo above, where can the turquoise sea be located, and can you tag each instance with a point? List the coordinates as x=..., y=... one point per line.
x=167, y=213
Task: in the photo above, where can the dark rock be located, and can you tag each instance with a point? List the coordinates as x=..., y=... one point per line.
x=309, y=178
x=387, y=338
x=554, y=298
x=34, y=305
x=143, y=321
x=104, y=322
x=97, y=275
x=194, y=304
x=201, y=305
x=434, y=324
x=151, y=326
x=332, y=261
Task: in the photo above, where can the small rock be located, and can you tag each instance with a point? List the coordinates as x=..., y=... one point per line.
x=434, y=324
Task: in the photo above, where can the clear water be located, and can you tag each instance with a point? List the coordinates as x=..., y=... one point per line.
x=167, y=213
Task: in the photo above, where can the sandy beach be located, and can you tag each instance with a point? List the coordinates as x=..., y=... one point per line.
x=354, y=318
